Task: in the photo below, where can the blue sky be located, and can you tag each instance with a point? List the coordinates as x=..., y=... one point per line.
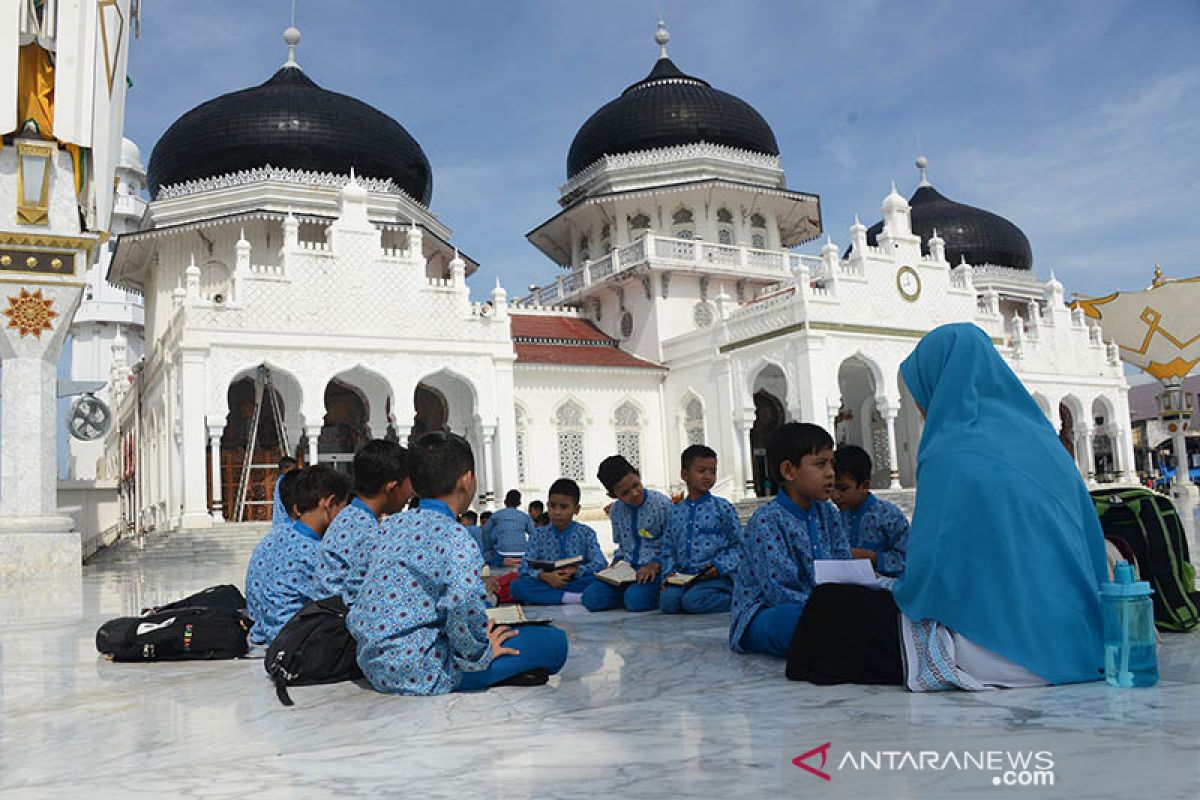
x=1079, y=121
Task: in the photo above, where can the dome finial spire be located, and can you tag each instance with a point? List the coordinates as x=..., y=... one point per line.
x=291, y=38
x=922, y=163
x=662, y=36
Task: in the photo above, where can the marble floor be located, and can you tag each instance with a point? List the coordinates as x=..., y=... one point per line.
x=648, y=706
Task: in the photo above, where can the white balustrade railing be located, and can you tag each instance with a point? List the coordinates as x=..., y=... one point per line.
x=599, y=269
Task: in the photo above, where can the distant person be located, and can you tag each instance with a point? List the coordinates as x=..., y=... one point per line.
x=1005, y=556
x=279, y=511
x=639, y=519
x=563, y=538
x=537, y=512
x=381, y=487
x=510, y=529
x=279, y=578
x=421, y=623
x=877, y=529
x=470, y=520
x=784, y=538
x=703, y=540
x=484, y=517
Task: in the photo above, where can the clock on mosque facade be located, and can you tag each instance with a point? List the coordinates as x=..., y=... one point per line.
x=908, y=283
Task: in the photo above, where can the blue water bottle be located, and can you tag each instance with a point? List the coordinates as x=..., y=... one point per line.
x=1130, y=657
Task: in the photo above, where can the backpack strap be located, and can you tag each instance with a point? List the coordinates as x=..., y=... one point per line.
x=280, y=676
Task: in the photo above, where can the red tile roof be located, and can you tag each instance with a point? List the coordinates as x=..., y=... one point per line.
x=540, y=339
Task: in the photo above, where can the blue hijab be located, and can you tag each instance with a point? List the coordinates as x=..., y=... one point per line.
x=1005, y=548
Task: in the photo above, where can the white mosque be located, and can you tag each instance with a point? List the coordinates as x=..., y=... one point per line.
x=301, y=297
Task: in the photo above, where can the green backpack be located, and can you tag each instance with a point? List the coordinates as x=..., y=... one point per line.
x=1148, y=525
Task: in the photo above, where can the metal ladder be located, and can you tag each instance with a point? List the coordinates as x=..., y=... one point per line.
x=262, y=385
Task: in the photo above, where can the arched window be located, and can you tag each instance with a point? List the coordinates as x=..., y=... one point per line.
x=724, y=226
x=585, y=248
x=639, y=222
x=569, y=420
x=758, y=221
x=522, y=436
x=628, y=422
x=693, y=421
x=683, y=222
x=606, y=239
x=758, y=241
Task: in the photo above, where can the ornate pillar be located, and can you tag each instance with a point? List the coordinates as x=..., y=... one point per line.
x=192, y=390
x=313, y=456
x=890, y=411
x=491, y=487
x=403, y=432
x=1084, y=447
x=832, y=410
x=744, y=426
x=215, y=432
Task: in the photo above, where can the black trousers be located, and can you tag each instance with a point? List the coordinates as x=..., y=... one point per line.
x=847, y=634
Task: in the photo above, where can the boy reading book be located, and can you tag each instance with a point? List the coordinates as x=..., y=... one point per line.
x=639, y=517
x=877, y=529
x=420, y=622
x=782, y=540
x=701, y=546
x=563, y=557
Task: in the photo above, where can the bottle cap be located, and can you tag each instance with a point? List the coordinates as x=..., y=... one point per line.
x=1123, y=584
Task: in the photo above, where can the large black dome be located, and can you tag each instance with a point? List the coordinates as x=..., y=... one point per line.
x=665, y=109
x=289, y=121
x=971, y=234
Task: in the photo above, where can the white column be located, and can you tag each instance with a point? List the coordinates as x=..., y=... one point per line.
x=403, y=432
x=1086, y=453
x=192, y=391
x=832, y=410
x=312, y=433
x=215, y=432
x=744, y=427
x=1121, y=465
x=492, y=485
x=890, y=411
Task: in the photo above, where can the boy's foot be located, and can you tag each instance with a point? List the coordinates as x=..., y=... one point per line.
x=534, y=677
x=572, y=598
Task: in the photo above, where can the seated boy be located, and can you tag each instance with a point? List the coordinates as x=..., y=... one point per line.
x=537, y=513
x=484, y=517
x=510, y=529
x=876, y=529
x=381, y=486
x=782, y=540
x=703, y=538
x=420, y=622
x=562, y=538
x=639, y=518
x=279, y=579
x=470, y=520
x=281, y=514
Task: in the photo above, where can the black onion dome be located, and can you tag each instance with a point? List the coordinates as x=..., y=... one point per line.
x=666, y=109
x=971, y=234
x=291, y=122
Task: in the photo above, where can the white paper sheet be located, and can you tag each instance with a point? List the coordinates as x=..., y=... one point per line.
x=854, y=570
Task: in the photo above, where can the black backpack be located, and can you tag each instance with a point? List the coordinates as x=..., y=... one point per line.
x=182, y=634
x=1147, y=524
x=225, y=596
x=315, y=646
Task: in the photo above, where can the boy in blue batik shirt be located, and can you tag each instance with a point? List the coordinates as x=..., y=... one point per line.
x=877, y=529
x=280, y=513
x=703, y=539
x=639, y=518
x=469, y=520
x=782, y=540
x=381, y=486
x=279, y=578
x=562, y=538
x=420, y=622
x=510, y=529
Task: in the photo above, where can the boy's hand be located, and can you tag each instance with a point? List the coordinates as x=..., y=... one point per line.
x=860, y=552
x=648, y=573
x=552, y=579
x=497, y=636
x=708, y=573
x=510, y=561
x=569, y=573
x=489, y=585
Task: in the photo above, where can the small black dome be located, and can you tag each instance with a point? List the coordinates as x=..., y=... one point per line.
x=971, y=234
x=665, y=109
x=291, y=122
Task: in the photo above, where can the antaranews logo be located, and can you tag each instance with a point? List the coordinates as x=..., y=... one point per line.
x=1005, y=767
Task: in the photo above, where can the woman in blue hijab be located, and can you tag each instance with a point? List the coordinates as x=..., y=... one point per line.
x=1005, y=554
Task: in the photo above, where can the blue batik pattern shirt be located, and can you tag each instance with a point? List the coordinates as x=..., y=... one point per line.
x=279, y=514
x=879, y=526
x=335, y=558
x=551, y=544
x=638, y=530
x=420, y=620
x=279, y=579
x=486, y=547
x=778, y=548
x=510, y=529
x=701, y=533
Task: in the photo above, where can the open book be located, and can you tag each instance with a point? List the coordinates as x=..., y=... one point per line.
x=552, y=565
x=513, y=616
x=682, y=580
x=486, y=572
x=620, y=574
x=851, y=570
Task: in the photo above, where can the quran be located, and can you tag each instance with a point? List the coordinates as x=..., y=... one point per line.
x=513, y=616
x=683, y=579
x=552, y=565
x=620, y=574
